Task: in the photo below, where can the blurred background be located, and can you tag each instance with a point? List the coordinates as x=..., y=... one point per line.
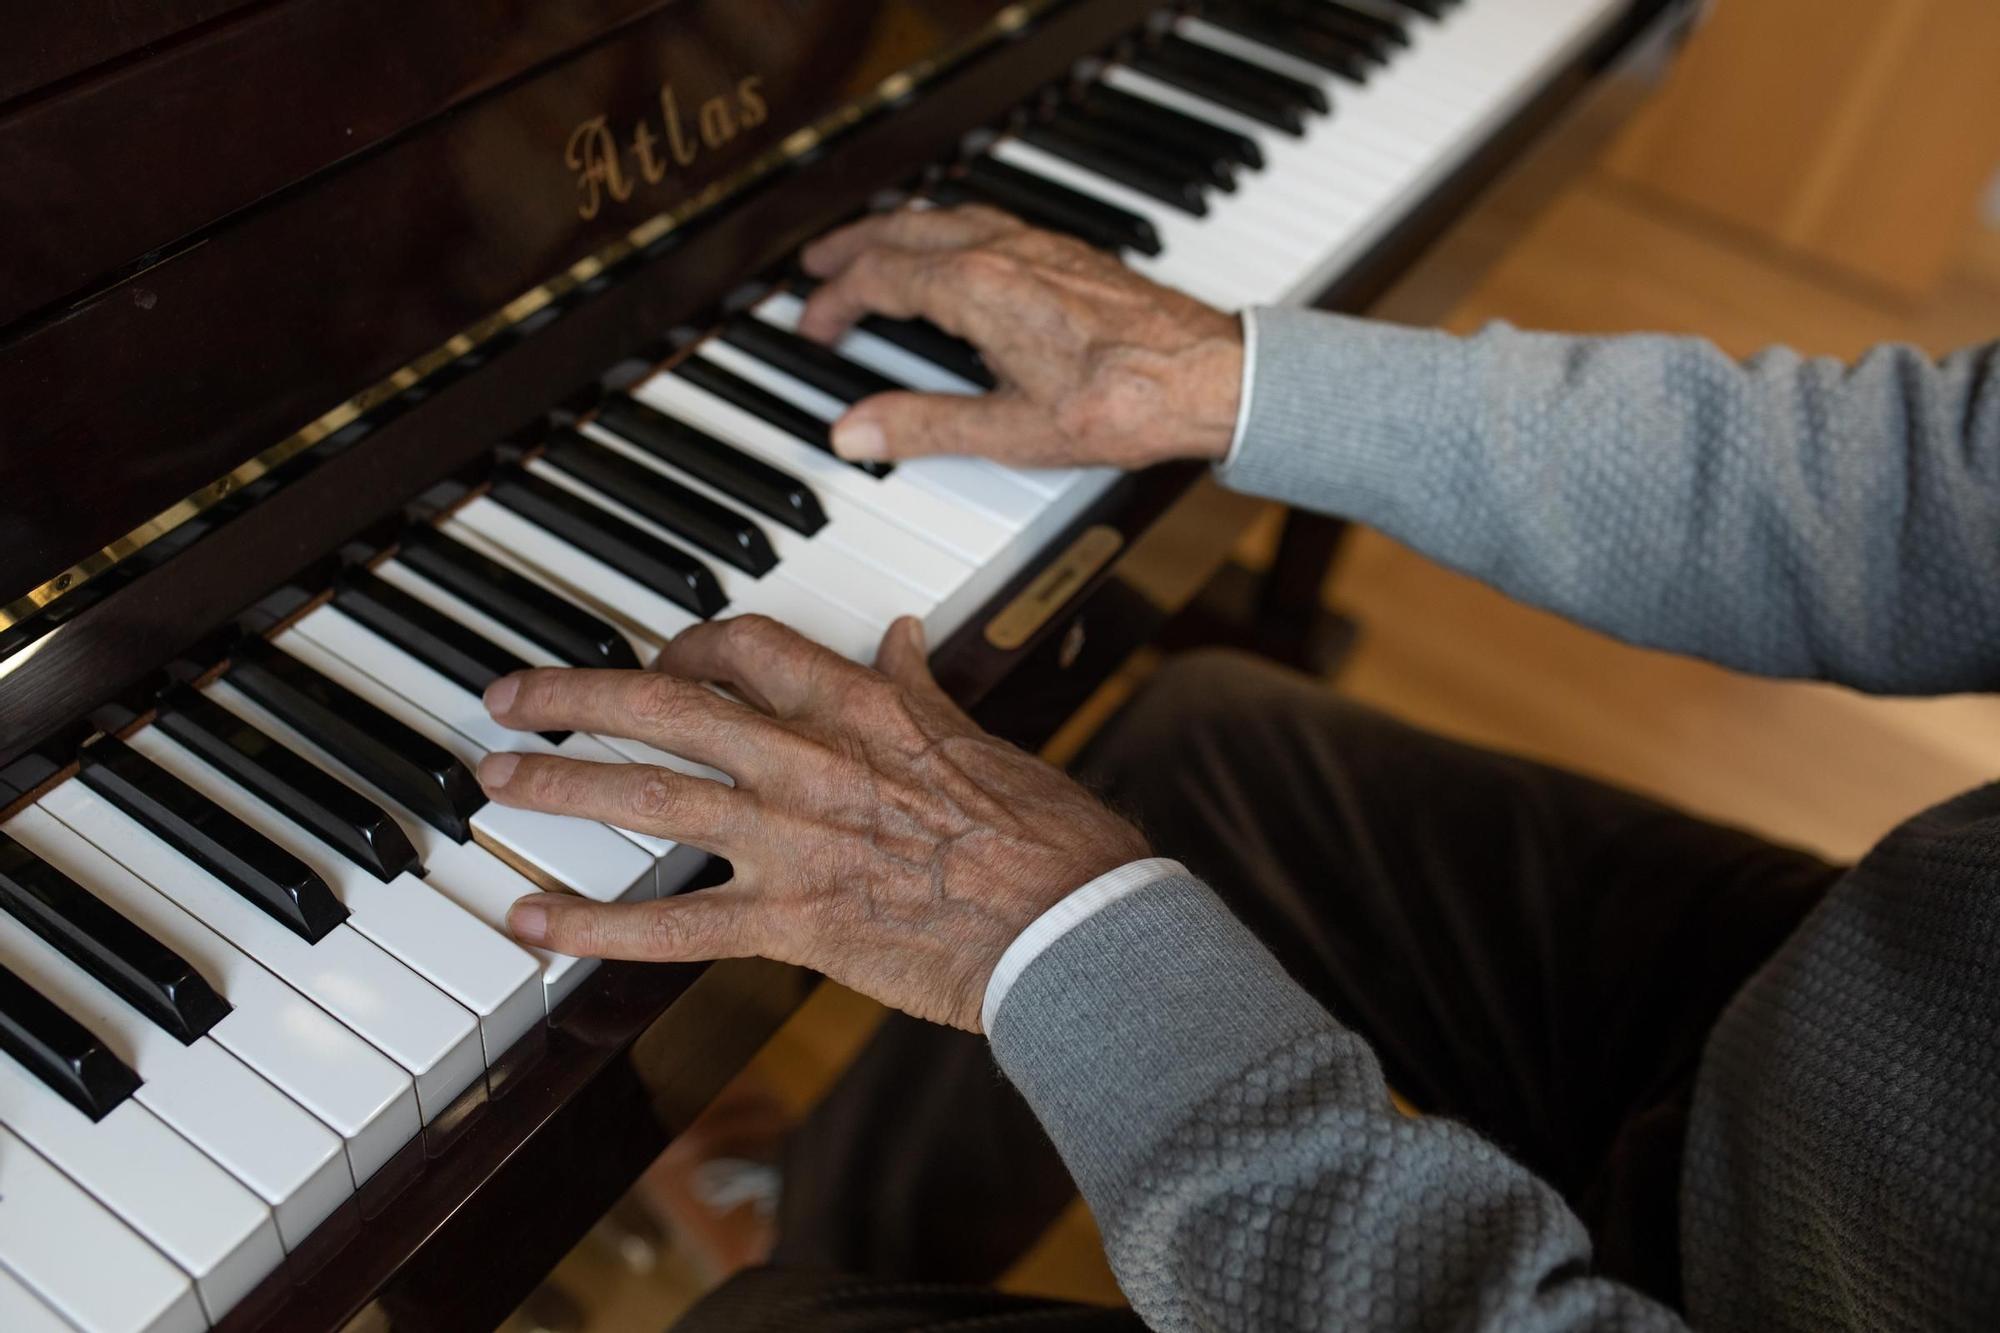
x=1819, y=173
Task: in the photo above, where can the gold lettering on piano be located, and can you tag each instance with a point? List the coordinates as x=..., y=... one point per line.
x=584, y=148
x=593, y=155
x=609, y=169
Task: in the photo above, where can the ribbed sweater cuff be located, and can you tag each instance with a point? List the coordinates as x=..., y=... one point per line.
x=1136, y=1015
x=1335, y=405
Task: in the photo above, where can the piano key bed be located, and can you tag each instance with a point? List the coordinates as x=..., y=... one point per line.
x=253, y=952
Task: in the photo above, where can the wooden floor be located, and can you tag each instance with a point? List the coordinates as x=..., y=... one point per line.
x=1817, y=766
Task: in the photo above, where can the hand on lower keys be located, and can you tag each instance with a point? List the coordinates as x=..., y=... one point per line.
x=1096, y=365
x=876, y=834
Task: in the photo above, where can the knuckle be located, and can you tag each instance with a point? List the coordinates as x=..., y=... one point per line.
x=541, y=690
x=656, y=698
x=984, y=270
x=659, y=796
x=665, y=933
x=871, y=271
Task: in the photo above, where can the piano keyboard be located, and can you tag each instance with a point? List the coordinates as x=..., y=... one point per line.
x=251, y=950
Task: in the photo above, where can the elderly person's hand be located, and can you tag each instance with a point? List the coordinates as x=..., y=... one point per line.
x=1096, y=365
x=876, y=834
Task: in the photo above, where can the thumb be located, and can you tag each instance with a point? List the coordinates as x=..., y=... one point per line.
x=904, y=657
x=1000, y=425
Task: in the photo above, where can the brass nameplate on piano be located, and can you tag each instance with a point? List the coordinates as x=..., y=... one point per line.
x=1053, y=587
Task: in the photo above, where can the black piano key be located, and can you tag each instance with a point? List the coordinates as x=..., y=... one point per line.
x=922, y=338
x=92, y=934
x=414, y=770
x=1050, y=205
x=567, y=630
x=805, y=360
x=1249, y=89
x=1430, y=9
x=1309, y=39
x=1164, y=124
x=1343, y=16
x=1103, y=154
x=1174, y=158
x=301, y=790
x=456, y=652
x=749, y=481
x=667, y=570
x=767, y=407
x=60, y=1051
x=266, y=875
x=715, y=528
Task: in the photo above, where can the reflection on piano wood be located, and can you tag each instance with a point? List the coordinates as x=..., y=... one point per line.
x=268, y=1053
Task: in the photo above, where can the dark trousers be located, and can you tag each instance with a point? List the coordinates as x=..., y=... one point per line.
x=1531, y=952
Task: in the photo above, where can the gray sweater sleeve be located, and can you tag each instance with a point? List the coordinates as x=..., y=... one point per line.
x=1784, y=516
x=1242, y=1158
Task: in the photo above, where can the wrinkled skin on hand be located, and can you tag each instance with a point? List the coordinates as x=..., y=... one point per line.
x=876, y=834
x=1096, y=365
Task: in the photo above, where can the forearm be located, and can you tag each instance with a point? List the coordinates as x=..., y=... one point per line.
x=1782, y=516
x=1231, y=1138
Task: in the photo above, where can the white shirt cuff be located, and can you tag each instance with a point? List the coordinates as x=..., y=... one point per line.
x=1249, y=321
x=1064, y=917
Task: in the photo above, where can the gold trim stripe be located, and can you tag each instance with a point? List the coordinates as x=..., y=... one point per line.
x=792, y=147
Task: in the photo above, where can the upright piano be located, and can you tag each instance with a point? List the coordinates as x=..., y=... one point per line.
x=354, y=352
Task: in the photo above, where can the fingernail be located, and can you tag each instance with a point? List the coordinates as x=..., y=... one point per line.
x=500, y=694
x=528, y=921
x=496, y=768
x=915, y=629
x=859, y=440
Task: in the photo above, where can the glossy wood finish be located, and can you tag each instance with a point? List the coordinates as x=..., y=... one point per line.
x=112, y=636
x=226, y=339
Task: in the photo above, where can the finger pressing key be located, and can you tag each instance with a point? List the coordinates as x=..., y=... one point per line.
x=696, y=811
x=662, y=710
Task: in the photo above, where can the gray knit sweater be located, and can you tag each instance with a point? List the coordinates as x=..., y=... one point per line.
x=1787, y=517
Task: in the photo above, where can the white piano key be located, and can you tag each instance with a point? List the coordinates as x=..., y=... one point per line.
x=215, y=1101
x=1195, y=243
x=345, y=973
x=160, y=1185
x=967, y=536
x=645, y=645
x=81, y=1261
x=487, y=887
x=600, y=863
x=980, y=493
x=21, y=1311
x=467, y=873
x=817, y=562
x=440, y=599
x=490, y=977
x=775, y=594
x=316, y=1060
x=572, y=569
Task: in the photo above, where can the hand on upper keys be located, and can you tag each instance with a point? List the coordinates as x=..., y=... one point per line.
x=1096, y=365
x=876, y=834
